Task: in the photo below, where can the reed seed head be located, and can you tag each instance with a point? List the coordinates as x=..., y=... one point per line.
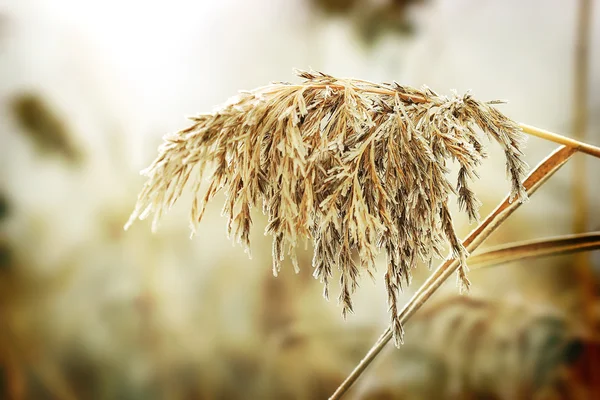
x=353, y=166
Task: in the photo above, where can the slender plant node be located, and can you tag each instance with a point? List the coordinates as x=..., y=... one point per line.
x=353, y=166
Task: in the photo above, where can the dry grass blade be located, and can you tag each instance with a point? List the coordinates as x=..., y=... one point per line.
x=353, y=166
x=567, y=244
x=535, y=179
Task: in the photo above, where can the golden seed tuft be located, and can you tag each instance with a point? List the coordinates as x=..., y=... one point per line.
x=353, y=166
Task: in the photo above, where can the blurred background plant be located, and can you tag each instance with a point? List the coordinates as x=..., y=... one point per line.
x=90, y=311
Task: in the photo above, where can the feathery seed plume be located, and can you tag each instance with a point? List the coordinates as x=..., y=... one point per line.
x=353, y=166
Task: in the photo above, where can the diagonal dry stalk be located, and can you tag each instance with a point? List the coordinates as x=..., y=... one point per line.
x=560, y=245
x=535, y=179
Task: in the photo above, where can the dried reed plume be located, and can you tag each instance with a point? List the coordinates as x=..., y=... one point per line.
x=351, y=165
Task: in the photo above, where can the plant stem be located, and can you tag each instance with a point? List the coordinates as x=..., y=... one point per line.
x=560, y=245
x=535, y=179
x=556, y=138
x=580, y=108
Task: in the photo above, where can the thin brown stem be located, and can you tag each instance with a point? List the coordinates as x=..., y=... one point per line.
x=535, y=179
x=580, y=112
x=567, y=244
x=556, y=138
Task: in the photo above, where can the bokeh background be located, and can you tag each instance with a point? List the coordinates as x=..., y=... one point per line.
x=89, y=311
